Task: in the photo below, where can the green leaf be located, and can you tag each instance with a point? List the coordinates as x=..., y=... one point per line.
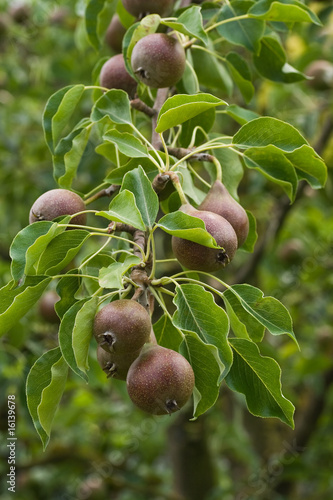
x=252, y=237
x=309, y=166
x=58, y=110
x=111, y=277
x=167, y=334
x=217, y=77
x=197, y=312
x=16, y=302
x=241, y=115
x=180, y=108
x=289, y=11
x=265, y=131
x=189, y=23
x=146, y=199
x=187, y=227
x=82, y=333
x=29, y=244
x=245, y=32
x=271, y=62
x=71, y=321
x=259, y=379
x=207, y=369
x=274, y=165
x=127, y=144
x=44, y=388
x=94, y=14
x=117, y=175
x=267, y=310
x=202, y=123
x=241, y=75
x=146, y=26
x=115, y=105
x=68, y=155
x=67, y=287
x=61, y=251
x=123, y=208
x=243, y=324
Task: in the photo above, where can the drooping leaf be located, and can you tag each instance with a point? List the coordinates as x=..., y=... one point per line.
x=82, y=333
x=245, y=32
x=241, y=115
x=123, y=208
x=146, y=199
x=167, y=334
x=207, y=370
x=187, y=227
x=61, y=251
x=288, y=11
x=67, y=287
x=267, y=310
x=76, y=317
x=197, y=312
x=243, y=324
x=180, y=108
x=96, y=15
x=28, y=245
x=58, y=110
x=16, y=301
x=68, y=155
x=271, y=62
x=259, y=379
x=241, y=75
x=44, y=388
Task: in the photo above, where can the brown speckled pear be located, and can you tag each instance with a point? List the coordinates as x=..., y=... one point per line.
x=122, y=326
x=200, y=258
x=160, y=381
x=143, y=7
x=219, y=201
x=115, y=33
x=55, y=203
x=158, y=60
x=116, y=365
x=114, y=75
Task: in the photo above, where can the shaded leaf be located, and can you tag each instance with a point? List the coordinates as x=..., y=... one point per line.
x=123, y=209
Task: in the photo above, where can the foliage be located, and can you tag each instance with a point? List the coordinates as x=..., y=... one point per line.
x=219, y=327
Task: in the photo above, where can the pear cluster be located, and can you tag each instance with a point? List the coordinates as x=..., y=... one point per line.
x=159, y=381
x=225, y=219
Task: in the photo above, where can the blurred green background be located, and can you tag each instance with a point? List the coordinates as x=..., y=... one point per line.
x=101, y=447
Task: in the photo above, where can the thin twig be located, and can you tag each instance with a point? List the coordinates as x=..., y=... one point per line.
x=142, y=106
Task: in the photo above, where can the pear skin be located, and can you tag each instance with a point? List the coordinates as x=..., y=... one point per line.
x=200, y=258
x=219, y=201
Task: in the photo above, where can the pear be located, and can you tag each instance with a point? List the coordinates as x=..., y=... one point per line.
x=55, y=203
x=122, y=326
x=116, y=365
x=198, y=257
x=158, y=60
x=220, y=201
x=160, y=381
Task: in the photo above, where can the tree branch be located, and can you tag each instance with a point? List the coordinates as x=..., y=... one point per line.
x=142, y=106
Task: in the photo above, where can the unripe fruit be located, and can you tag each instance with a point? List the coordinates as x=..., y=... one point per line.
x=198, y=257
x=122, y=326
x=158, y=60
x=116, y=365
x=114, y=75
x=46, y=306
x=219, y=201
x=115, y=33
x=160, y=381
x=143, y=7
x=55, y=203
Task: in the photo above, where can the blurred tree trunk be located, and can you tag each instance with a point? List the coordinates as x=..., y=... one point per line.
x=194, y=475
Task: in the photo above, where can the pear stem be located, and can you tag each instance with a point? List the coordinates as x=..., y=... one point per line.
x=176, y=182
x=218, y=168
